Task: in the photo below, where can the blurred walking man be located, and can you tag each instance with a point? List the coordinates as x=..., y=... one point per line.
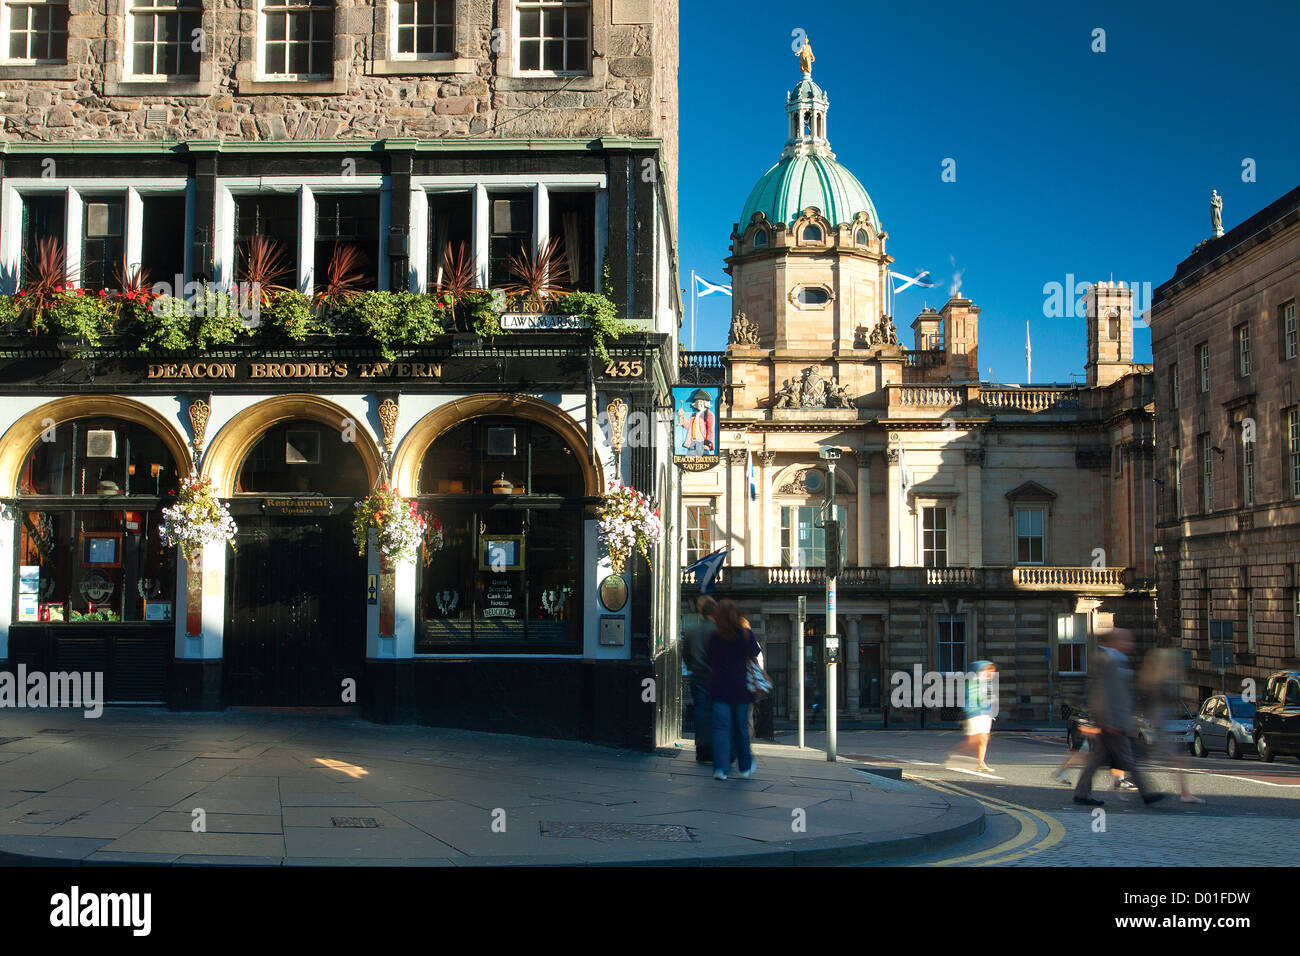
x=697, y=662
x=1112, y=709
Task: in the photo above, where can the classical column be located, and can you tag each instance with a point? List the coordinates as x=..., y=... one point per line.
x=864, y=508
x=761, y=525
x=973, y=510
x=736, y=532
x=894, y=491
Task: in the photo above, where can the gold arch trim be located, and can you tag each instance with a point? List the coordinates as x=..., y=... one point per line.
x=229, y=447
x=21, y=437
x=410, y=453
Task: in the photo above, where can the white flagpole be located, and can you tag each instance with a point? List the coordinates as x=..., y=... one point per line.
x=1028, y=361
x=693, y=298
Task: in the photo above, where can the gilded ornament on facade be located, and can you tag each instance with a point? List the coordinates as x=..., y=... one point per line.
x=617, y=412
x=388, y=420
x=200, y=412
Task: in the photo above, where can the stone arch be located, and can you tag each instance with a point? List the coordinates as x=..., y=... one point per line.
x=21, y=437
x=410, y=453
x=788, y=475
x=227, y=450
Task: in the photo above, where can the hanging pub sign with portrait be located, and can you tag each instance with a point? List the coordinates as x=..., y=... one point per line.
x=695, y=427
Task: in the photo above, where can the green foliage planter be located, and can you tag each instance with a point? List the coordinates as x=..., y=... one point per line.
x=393, y=321
x=397, y=319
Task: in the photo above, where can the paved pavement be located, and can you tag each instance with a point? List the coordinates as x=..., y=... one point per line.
x=311, y=788
x=1250, y=817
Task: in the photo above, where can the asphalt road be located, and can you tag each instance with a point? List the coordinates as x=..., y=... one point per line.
x=1251, y=814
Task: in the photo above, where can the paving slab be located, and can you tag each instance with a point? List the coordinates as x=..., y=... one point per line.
x=282, y=788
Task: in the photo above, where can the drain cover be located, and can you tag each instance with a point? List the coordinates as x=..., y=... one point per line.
x=618, y=831
x=355, y=822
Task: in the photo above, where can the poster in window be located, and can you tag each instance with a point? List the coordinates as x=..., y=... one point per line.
x=101, y=549
x=501, y=552
x=29, y=579
x=29, y=607
x=695, y=427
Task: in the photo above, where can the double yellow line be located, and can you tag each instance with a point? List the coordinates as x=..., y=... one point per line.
x=1008, y=851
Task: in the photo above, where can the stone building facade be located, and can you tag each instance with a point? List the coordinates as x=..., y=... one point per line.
x=171, y=139
x=1227, y=365
x=1012, y=523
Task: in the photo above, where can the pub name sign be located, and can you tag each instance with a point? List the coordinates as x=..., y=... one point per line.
x=236, y=371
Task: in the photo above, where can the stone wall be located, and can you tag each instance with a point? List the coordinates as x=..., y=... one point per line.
x=631, y=90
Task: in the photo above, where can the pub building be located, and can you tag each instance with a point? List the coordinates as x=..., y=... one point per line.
x=405, y=145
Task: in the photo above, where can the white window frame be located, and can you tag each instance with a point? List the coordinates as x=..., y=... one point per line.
x=306, y=187
x=129, y=42
x=542, y=5
x=1203, y=357
x=1293, y=440
x=1043, y=536
x=259, y=54
x=11, y=219
x=1067, y=633
x=1243, y=349
x=947, y=535
x=950, y=621
x=710, y=526
x=1290, y=346
x=395, y=54
x=1207, y=475
x=6, y=23
x=1247, y=472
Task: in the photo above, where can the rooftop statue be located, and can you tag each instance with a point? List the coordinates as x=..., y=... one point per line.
x=1216, y=213
x=806, y=58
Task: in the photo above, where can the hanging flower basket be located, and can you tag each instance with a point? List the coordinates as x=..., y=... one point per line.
x=396, y=521
x=196, y=518
x=627, y=520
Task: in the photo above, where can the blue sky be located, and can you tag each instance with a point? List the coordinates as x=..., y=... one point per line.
x=1068, y=162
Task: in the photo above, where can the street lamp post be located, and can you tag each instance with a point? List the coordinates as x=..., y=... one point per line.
x=832, y=648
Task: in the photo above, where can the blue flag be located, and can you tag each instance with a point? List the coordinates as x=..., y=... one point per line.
x=706, y=569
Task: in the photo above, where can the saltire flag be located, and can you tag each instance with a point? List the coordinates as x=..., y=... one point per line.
x=911, y=280
x=903, y=472
x=706, y=569
x=704, y=287
x=749, y=476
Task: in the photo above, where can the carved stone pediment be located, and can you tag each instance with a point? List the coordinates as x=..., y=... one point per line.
x=811, y=390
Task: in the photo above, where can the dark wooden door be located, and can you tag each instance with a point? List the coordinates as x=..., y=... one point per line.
x=295, y=612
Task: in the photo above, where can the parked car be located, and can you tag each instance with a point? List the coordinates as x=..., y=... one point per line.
x=1225, y=722
x=1176, y=731
x=1277, y=717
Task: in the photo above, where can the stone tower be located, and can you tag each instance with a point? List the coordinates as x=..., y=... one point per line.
x=1110, y=332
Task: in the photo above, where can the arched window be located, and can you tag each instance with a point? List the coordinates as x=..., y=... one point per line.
x=89, y=500
x=760, y=239
x=301, y=457
x=812, y=234
x=860, y=237
x=507, y=575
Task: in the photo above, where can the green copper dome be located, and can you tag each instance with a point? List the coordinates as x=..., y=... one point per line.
x=807, y=174
x=812, y=179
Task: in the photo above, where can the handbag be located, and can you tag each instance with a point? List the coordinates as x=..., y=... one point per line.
x=757, y=682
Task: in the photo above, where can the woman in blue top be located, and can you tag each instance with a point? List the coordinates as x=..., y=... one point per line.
x=731, y=647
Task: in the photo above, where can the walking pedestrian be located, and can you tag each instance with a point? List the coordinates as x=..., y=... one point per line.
x=697, y=662
x=981, y=703
x=731, y=647
x=1112, y=708
x=1161, y=684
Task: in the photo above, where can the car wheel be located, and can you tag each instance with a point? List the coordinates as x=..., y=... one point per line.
x=1266, y=753
x=1198, y=746
x=1233, y=750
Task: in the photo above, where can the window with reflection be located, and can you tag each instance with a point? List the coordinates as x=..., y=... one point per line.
x=303, y=457
x=90, y=496
x=504, y=570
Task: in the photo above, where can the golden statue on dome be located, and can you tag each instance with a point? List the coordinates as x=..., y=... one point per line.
x=806, y=58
